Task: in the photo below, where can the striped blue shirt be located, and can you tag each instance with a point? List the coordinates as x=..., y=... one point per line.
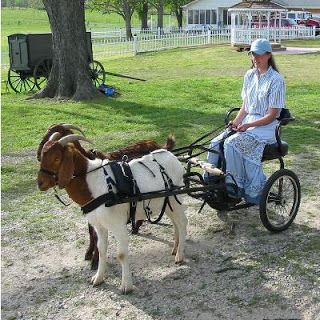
x=259, y=93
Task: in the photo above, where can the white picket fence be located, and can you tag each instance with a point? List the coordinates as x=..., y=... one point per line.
x=113, y=42
x=247, y=35
x=145, y=42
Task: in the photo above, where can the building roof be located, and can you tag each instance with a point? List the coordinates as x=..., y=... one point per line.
x=262, y=5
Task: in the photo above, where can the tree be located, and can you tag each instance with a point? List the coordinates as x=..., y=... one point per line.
x=176, y=7
x=159, y=5
x=37, y=4
x=69, y=77
x=143, y=9
x=124, y=8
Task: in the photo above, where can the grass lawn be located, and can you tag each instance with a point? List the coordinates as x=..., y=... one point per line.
x=28, y=20
x=187, y=92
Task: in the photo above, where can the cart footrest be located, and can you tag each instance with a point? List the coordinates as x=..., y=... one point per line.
x=206, y=166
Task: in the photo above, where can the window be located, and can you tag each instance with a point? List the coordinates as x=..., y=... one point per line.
x=291, y=15
x=190, y=16
x=195, y=16
x=202, y=16
x=208, y=17
x=213, y=17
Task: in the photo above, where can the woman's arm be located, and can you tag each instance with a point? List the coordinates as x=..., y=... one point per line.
x=271, y=115
x=238, y=119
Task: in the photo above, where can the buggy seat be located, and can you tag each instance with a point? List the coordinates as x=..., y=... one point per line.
x=278, y=149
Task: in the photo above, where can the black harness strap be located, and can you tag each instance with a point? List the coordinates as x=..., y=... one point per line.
x=126, y=186
x=168, y=184
x=163, y=210
x=108, y=199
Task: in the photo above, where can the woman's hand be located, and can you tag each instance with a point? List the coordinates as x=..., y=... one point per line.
x=233, y=125
x=243, y=127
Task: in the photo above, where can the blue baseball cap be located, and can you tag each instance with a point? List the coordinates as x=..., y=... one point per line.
x=260, y=47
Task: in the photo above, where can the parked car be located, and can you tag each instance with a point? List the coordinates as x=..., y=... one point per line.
x=299, y=16
x=314, y=22
x=274, y=23
x=198, y=28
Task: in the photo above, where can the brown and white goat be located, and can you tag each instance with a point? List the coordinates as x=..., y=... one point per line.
x=136, y=150
x=84, y=180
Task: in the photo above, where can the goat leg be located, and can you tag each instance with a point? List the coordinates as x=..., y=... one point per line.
x=102, y=245
x=92, y=243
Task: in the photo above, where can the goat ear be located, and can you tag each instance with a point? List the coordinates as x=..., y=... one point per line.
x=66, y=169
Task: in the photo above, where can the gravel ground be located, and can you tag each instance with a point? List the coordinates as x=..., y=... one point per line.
x=229, y=273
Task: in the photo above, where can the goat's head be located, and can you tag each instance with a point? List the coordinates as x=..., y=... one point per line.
x=57, y=161
x=64, y=129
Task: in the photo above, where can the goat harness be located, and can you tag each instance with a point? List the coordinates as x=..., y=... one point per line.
x=128, y=191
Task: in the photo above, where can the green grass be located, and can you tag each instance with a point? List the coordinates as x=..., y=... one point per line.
x=307, y=43
x=187, y=92
x=18, y=20
x=27, y=20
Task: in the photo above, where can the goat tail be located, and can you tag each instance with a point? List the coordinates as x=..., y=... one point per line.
x=171, y=142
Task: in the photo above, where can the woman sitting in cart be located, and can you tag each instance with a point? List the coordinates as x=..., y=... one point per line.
x=263, y=96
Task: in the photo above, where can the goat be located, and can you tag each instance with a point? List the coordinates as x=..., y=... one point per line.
x=132, y=151
x=69, y=167
x=135, y=150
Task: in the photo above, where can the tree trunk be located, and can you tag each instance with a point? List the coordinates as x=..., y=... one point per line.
x=69, y=77
x=179, y=15
x=128, y=27
x=160, y=14
x=127, y=10
x=143, y=15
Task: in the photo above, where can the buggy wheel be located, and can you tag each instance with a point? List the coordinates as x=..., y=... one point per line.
x=280, y=200
x=20, y=82
x=97, y=73
x=41, y=73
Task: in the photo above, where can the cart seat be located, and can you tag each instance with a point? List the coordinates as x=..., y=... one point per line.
x=274, y=150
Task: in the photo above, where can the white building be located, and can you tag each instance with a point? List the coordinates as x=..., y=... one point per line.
x=215, y=12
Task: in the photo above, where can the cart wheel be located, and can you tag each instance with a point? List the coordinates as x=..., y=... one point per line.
x=20, y=81
x=41, y=73
x=280, y=200
x=97, y=73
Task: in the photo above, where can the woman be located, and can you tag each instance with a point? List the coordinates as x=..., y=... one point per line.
x=263, y=96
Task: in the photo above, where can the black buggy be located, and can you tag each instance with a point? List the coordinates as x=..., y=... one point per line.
x=280, y=199
x=31, y=62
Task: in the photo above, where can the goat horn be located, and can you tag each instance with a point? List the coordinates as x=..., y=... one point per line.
x=73, y=137
x=71, y=126
x=55, y=136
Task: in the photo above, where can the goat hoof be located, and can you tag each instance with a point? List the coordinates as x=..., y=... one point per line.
x=135, y=231
x=180, y=262
x=96, y=280
x=138, y=224
x=126, y=289
x=174, y=252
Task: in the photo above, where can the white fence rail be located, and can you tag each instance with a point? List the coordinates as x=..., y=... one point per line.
x=113, y=42
x=247, y=35
x=144, y=42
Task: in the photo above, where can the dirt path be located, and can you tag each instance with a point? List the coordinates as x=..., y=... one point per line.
x=244, y=274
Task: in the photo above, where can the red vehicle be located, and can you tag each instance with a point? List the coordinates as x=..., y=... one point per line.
x=313, y=22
